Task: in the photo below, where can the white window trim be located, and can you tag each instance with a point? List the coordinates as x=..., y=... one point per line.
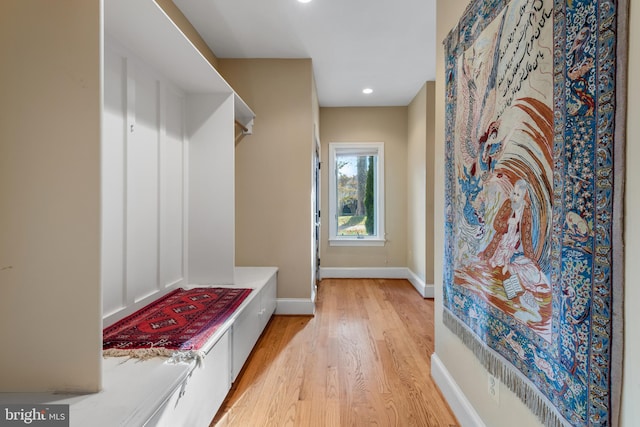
x=334, y=239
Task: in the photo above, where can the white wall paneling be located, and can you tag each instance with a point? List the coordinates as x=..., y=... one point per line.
x=143, y=180
x=211, y=188
x=172, y=184
x=113, y=176
x=142, y=183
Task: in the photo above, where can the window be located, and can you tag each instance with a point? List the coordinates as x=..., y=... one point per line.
x=356, y=194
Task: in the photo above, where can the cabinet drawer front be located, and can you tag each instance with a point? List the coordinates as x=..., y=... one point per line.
x=246, y=330
x=197, y=400
x=268, y=302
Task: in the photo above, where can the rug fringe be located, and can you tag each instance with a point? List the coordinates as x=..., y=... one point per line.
x=498, y=367
x=139, y=353
x=188, y=356
x=149, y=353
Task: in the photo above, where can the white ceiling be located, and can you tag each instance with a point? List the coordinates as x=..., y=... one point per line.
x=387, y=45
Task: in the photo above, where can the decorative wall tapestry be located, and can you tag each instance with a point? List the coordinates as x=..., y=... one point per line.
x=534, y=157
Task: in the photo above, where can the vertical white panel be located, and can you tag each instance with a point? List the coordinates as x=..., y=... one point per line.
x=172, y=190
x=211, y=189
x=114, y=113
x=142, y=188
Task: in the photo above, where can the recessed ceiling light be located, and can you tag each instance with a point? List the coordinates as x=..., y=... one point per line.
x=367, y=91
x=304, y=1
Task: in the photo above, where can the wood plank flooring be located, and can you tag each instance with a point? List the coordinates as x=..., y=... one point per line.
x=362, y=360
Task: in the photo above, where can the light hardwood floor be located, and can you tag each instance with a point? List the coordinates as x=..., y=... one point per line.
x=362, y=360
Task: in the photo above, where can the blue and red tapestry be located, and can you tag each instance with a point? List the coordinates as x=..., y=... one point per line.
x=533, y=276
x=182, y=321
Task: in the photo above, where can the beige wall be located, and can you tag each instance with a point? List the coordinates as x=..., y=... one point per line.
x=362, y=124
x=430, y=180
x=273, y=169
x=470, y=376
x=50, y=308
x=420, y=166
x=416, y=184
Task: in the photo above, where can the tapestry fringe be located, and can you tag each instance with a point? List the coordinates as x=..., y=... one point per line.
x=497, y=366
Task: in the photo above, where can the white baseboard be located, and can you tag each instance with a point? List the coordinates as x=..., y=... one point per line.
x=460, y=405
x=378, y=273
x=295, y=306
x=423, y=289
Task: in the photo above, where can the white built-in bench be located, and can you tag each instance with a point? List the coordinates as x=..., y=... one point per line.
x=155, y=392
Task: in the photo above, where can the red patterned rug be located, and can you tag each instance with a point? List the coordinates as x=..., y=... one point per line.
x=181, y=321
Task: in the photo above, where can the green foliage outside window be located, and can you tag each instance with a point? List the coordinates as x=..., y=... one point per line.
x=368, y=199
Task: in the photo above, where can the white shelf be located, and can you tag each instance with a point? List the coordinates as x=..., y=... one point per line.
x=143, y=28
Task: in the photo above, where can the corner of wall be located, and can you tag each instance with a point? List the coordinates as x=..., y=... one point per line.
x=458, y=402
